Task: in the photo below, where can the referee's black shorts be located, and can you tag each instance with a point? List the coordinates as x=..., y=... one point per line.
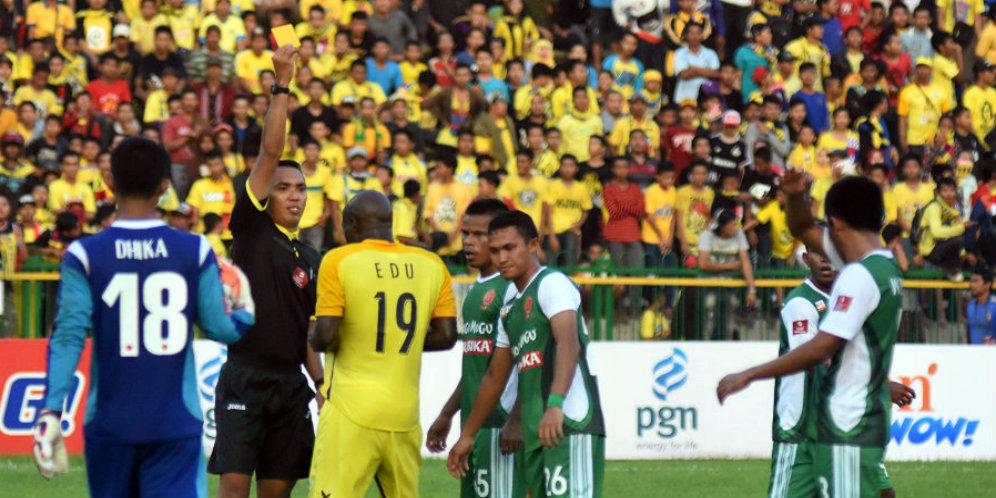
x=264, y=423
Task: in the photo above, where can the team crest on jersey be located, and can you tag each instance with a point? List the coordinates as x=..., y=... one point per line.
x=843, y=303
x=821, y=306
x=528, y=306
x=488, y=298
x=799, y=327
x=505, y=309
x=300, y=277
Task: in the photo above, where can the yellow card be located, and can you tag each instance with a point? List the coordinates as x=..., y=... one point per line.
x=284, y=35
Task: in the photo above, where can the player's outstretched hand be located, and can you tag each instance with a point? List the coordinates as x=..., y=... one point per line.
x=283, y=64
x=731, y=384
x=510, y=437
x=457, y=462
x=794, y=181
x=901, y=394
x=551, y=428
x=435, y=439
x=49, y=449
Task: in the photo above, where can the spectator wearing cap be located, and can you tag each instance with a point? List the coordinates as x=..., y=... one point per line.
x=45, y=19
x=810, y=48
x=357, y=86
x=182, y=18
x=214, y=95
x=724, y=247
x=344, y=186
x=109, y=91
x=233, y=29
x=14, y=171
x=97, y=22
x=728, y=150
x=578, y=125
x=37, y=92
x=980, y=99
x=653, y=84
x=562, y=99
x=758, y=53
x=250, y=63
x=122, y=49
x=495, y=131
x=770, y=131
x=921, y=104
x=638, y=119
x=180, y=218
x=211, y=47
x=151, y=69
x=27, y=209
x=141, y=25
x=693, y=64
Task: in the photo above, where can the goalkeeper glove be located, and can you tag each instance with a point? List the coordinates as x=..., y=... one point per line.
x=238, y=295
x=49, y=449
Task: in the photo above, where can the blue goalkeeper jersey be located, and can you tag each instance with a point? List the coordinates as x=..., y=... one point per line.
x=138, y=287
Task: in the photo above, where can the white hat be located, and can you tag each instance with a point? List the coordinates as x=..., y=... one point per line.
x=121, y=30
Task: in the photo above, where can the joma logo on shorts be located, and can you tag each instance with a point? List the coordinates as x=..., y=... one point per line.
x=530, y=360
x=477, y=346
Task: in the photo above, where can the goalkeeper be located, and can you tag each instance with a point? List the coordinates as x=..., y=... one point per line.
x=261, y=402
x=139, y=286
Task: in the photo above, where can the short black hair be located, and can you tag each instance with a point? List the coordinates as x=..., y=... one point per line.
x=879, y=166
x=164, y=29
x=939, y=38
x=697, y=163
x=491, y=207
x=139, y=166
x=490, y=176
x=213, y=154
x=763, y=153
x=665, y=166
x=66, y=221
x=985, y=272
x=211, y=220
x=946, y=181
x=287, y=163
x=411, y=188
x=519, y=220
x=857, y=201
x=807, y=66
x=406, y=132
x=358, y=63
x=104, y=211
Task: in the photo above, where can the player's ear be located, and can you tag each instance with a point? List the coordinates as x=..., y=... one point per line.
x=163, y=187
x=534, y=246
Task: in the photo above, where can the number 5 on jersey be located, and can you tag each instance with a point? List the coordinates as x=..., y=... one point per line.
x=164, y=298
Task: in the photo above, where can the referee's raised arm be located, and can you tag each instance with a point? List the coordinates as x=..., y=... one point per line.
x=274, y=125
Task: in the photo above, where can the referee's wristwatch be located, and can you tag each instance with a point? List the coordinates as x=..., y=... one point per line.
x=277, y=90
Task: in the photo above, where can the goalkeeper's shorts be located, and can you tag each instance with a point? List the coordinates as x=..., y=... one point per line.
x=264, y=423
x=170, y=469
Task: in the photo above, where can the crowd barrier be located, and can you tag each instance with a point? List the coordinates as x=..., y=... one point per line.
x=658, y=398
x=639, y=303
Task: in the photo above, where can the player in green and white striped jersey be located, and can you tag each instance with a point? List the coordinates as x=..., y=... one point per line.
x=857, y=334
x=496, y=458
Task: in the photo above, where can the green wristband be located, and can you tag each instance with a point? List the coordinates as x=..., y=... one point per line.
x=555, y=400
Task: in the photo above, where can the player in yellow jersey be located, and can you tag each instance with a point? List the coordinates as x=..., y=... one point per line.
x=380, y=304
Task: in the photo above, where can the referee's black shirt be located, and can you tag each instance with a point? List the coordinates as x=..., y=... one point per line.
x=282, y=271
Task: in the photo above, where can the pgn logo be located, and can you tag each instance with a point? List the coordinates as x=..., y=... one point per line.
x=24, y=396
x=208, y=378
x=670, y=374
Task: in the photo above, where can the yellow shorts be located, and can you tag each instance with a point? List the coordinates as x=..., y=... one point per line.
x=348, y=457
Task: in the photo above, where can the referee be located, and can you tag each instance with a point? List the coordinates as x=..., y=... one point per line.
x=261, y=403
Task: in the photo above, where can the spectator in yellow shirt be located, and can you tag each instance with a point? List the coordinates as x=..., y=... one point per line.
x=405, y=164
x=68, y=194
x=569, y=202
x=96, y=24
x=528, y=191
x=214, y=193
x=367, y=132
x=318, y=208
x=412, y=65
x=49, y=18
x=659, y=226
x=357, y=86
x=250, y=64
x=947, y=63
x=37, y=92
x=233, y=29
x=146, y=23
x=577, y=126
x=445, y=201
x=920, y=106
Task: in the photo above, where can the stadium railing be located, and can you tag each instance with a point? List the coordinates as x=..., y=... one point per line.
x=634, y=303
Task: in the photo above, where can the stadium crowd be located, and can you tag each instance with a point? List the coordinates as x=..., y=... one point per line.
x=649, y=132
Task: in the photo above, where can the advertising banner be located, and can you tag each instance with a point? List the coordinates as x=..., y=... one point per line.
x=658, y=398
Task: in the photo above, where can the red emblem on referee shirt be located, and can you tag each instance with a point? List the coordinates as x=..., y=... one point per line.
x=528, y=306
x=843, y=303
x=488, y=298
x=300, y=278
x=799, y=327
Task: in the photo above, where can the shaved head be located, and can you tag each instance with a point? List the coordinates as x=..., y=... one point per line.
x=368, y=215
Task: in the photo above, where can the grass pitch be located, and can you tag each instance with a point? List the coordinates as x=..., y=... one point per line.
x=623, y=479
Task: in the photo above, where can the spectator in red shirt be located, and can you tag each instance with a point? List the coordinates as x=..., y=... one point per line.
x=109, y=90
x=850, y=12
x=624, y=202
x=82, y=119
x=874, y=24
x=898, y=65
x=677, y=140
x=214, y=95
x=180, y=134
